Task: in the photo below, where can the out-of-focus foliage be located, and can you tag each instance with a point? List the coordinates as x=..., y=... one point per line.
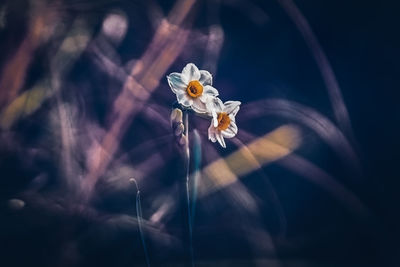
x=85, y=108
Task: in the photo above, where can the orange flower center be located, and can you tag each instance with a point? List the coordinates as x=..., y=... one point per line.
x=223, y=121
x=194, y=89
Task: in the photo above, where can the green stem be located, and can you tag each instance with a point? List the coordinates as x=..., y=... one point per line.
x=187, y=155
x=139, y=218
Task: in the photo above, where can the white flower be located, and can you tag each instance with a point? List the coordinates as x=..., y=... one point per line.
x=193, y=88
x=223, y=123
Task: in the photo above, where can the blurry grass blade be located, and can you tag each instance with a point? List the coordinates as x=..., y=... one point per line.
x=23, y=105
x=310, y=118
x=3, y=12
x=72, y=47
x=268, y=148
x=196, y=170
x=327, y=73
x=139, y=218
x=29, y=101
x=138, y=87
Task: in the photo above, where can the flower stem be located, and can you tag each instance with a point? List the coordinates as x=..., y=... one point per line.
x=187, y=155
x=139, y=218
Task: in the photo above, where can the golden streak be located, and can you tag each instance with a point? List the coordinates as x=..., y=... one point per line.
x=194, y=89
x=223, y=121
x=264, y=150
x=25, y=104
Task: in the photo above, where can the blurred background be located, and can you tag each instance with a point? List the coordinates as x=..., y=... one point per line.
x=311, y=179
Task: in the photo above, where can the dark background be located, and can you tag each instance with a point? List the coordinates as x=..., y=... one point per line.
x=263, y=56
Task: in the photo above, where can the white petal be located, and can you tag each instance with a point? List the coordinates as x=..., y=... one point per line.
x=214, y=107
x=212, y=112
x=204, y=98
x=199, y=106
x=205, y=78
x=175, y=82
x=190, y=72
x=211, y=91
x=232, y=117
x=215, y=119
x=232, y=107
x=184, y=99
x=211, y=134
x=231, y=131
x=218, y=105
x=220, y=139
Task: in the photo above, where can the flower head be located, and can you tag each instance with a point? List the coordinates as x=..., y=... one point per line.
x=223, y=123
x=193, y=88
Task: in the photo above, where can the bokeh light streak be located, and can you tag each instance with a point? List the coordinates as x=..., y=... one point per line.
x=266, y=149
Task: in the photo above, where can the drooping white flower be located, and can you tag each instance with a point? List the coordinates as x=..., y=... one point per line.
x=223, y=124
x=193, y=88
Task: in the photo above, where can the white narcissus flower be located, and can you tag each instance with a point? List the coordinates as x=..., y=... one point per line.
x=193, y=88
x=223, y=123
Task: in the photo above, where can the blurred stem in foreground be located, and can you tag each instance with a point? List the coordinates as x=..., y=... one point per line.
x=139, y=218
x=180, y=128
x=187, y=168
x=195, y=171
